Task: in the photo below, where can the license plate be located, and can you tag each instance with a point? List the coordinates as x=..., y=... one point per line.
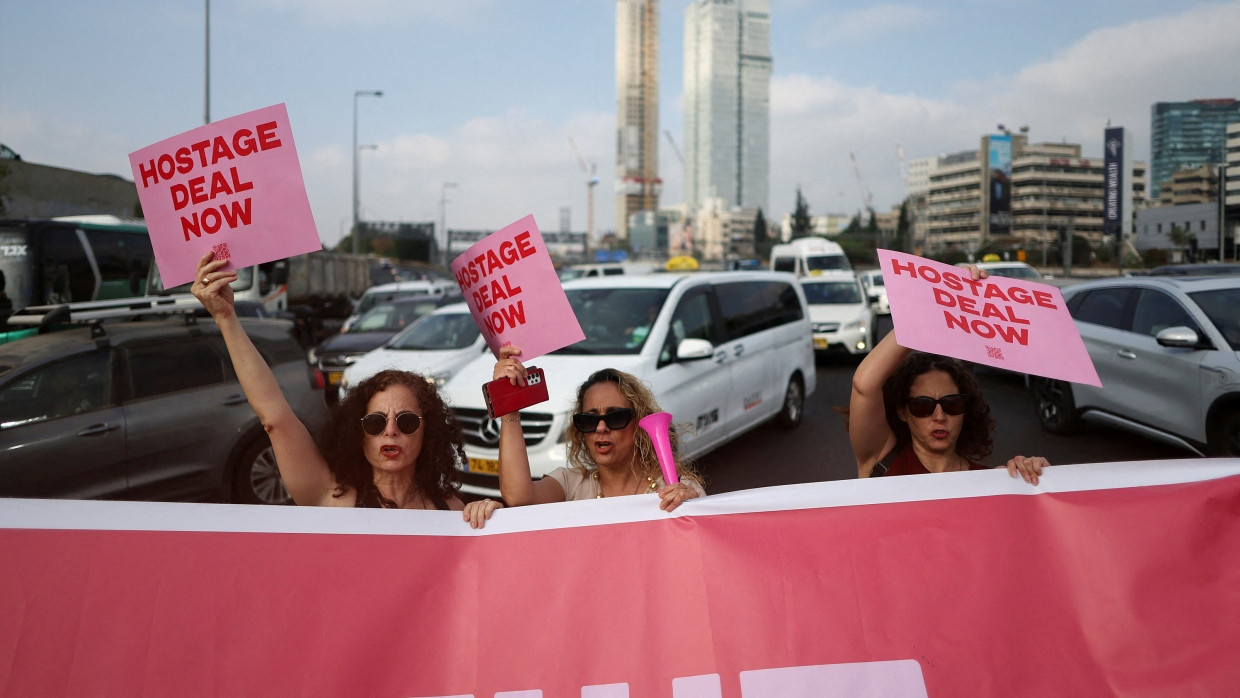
x=333, y=377
x=819, y=343
x=483, y=465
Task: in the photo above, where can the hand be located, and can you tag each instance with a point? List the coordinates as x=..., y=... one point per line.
x=978, y=274
x=211, y=286
x=477, y=512
x=673, y=495
x=509, y=366
x=1028, y=467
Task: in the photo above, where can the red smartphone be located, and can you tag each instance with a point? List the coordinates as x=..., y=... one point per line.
x=503, y=397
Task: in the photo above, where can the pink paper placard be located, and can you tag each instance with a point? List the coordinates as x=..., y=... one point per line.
x=233, y=187
x=1012, y=324
x=515, y=296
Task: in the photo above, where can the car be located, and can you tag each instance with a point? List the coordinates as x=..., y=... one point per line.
x=1011, y=270
x=875, y=289
x=582, y=271
x=373, y=329
x=840, y=314
x=723, y=352
x=146, y=410
x=1206, y=269
x=434, y=288
x=436, y=347
x=1167, y=350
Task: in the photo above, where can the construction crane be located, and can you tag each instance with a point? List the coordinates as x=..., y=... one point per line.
x=867, y=200
x=675, y=149
x=591, y=182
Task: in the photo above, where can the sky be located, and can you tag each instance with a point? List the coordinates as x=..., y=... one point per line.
x=484, y=100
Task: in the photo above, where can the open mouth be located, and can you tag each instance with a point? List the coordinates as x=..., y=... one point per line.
x=389, y=451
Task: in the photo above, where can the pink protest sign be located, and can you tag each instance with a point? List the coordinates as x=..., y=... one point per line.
x=514, y=293
x=1012, y=324
x=233, y=187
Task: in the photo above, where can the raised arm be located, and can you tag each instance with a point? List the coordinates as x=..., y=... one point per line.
x=868, y=431
x=515, y=482
x=302, y=467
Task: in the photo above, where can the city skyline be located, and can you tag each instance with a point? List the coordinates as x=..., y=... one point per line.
x=487, y=95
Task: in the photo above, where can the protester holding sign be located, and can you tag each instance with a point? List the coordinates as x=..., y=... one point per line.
x=915, y=412
x=608, y=455
x=392, y=443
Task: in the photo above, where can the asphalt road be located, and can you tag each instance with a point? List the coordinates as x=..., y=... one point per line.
x=819, y=449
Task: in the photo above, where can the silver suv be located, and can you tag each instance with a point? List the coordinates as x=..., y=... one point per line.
x=1167, y=350
x=147, y=410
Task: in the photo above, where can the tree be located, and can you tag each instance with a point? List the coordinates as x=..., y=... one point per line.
x=1180, y=237
x=802, y=226
x=761, y=237
x=900, y=242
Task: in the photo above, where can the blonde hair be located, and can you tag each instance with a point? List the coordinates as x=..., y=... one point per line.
x=642, y=399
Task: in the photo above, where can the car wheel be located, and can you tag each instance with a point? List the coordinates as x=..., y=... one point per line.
x=1226, y=441
x=1056, y=408
x=256, y=479
x=793, y=410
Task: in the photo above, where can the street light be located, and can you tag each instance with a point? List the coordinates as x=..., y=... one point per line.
x=443, y=219
x=356, y=94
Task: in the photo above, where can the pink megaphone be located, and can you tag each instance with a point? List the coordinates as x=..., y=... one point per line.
x=657, y=425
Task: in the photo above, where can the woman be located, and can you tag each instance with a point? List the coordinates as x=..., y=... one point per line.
x=392, y=443
x=608, y=454
x=921, y=413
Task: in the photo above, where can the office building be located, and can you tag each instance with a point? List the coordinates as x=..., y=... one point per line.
x=637, y=110
x=1188, y=134
x=727, y=84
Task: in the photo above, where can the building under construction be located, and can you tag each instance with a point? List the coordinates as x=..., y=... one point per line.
x=637, y=110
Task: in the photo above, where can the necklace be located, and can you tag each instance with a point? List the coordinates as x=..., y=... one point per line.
x=599, y=486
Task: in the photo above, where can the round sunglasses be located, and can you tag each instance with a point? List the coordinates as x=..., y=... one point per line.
x=376, y=423
x=587, y=423
x=923, y=406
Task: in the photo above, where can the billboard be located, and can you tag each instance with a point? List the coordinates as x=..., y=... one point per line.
x=1116, y=184
x=999, y=164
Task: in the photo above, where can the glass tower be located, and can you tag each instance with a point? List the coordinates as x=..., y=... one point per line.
x=1188, y=134
x=728, y=103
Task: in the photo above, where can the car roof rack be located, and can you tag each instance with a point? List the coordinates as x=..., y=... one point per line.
x=46, y=317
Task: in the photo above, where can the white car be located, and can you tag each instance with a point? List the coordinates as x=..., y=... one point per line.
x=399, y=289
x=1011, y=270
x=723, y=352
x=872, y=282
x=840, y=313
x=436, y=346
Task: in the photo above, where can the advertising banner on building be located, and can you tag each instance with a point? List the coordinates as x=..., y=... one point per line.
x=999, y=159
x=1105, y=579
x=1116, y=184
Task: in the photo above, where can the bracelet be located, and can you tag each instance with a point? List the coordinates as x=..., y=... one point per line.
x=514, y=419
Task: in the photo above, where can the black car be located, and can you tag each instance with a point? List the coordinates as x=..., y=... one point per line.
x=371, y=330
x=144, y=410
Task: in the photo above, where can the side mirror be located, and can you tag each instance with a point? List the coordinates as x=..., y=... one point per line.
x=1181, y=338
x=694, y=350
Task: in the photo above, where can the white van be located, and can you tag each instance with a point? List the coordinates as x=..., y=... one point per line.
x=807, y=256
x=723, y=352
x=585, y=271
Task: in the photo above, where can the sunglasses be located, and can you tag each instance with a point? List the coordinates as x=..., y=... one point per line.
x=922, y=406
x=587, y=423
x=376, y=423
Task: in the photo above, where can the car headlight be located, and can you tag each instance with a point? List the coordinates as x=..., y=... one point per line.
x=437, y=379
x=855, y=324
x=312, y=356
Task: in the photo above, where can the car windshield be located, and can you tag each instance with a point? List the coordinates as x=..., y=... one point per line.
x=438, y=333
x=826, y=262
x=570, y=273
x=615, y=320
x=1220, y=306
x=1014, y=272
x=832, y=293
x=392, y=317
x=875, y=280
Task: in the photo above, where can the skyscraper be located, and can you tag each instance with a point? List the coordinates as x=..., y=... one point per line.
x=728, y=102
x=1188, y=134
x=637, y=110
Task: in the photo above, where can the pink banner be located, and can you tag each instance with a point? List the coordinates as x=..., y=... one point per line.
x=1106, y=579
x=514, y=293
x=233, y=187
x=1012, y=324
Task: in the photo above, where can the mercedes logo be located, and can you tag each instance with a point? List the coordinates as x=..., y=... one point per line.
x=488, y=431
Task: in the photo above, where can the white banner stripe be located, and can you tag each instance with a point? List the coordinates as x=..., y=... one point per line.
x=163, y=516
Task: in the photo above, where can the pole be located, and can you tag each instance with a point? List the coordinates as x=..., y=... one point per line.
x=206, y=82
x=356, y=94
x=443, y=220
x=1222, y=209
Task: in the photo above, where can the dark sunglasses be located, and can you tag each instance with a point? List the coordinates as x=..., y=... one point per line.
x=922, y=406
x=587, y=423
x=376, y=422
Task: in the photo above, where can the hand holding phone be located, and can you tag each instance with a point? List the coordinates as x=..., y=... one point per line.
x=502, y=397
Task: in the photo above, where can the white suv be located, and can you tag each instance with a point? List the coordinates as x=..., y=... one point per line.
x=1167, y=350
x=722, y=351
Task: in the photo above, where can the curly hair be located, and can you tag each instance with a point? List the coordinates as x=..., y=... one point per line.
x=435, y=476
x=976, y=435
x=639, y=395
